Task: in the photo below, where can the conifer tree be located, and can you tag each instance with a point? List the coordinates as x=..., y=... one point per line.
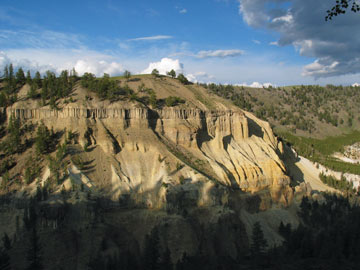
x=20, y=76
x=43, y=139
x=34, y=252
x=32, y=91
x=28, y=77
x=37, y=79
x=155, y=72
x=172, y=73
x=14, y=141
x=258, y=241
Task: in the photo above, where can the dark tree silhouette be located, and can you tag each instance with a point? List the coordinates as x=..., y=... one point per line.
x=259, y=243
x=151, y=251
x=341, y=7
x=172, y=73
x=34, y=252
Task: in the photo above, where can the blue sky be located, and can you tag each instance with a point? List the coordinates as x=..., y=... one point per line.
x=282, y=42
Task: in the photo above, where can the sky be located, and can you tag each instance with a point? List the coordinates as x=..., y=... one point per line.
x=245, y=42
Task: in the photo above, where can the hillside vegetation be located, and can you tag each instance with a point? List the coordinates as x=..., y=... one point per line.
x=310, y=110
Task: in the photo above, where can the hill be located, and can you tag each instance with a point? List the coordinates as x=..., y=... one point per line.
x=125, y=171
x=311, y=111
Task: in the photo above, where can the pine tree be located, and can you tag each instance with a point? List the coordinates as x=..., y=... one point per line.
x=182, y=79
x=14, y=141
x=127, y=74
x=11, y=72
x=34, y=252
x=32, y=91
x=10, y=83
x=172, y=73
x=20, y=76
x=37, y=79
x=6, y=73
x=155, y=72
x=258, y=241
x=3, y=100
x=43, y=139
x=28, y=77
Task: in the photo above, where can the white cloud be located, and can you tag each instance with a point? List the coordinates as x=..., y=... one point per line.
x=151, y=38
x=41, y=39
x=355, y=84
x=256, y=41
x=256, y=85
x=219, y=53
x=274, y=43
x=183, y=11
x=288, y=18
x=4, y=60
x=165, y=65
x=57, y=60
x=98, y=67
x=316, y=69
x=200, y=77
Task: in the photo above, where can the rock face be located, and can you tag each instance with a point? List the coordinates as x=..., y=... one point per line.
x=154, y=149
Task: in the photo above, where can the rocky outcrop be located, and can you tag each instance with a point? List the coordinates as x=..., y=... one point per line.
x=231, y=147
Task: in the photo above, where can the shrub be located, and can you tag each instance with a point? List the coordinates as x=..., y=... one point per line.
x=173, y=101
x=182, y=79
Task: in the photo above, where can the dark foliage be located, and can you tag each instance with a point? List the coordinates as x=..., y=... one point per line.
x=173, y=101
x=105, y=88
x=327, y=238
x=182, y=79
x=341, y=7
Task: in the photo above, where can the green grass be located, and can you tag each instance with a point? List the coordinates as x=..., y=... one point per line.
x=320, y=150
x=204, y=100
x=133, y=76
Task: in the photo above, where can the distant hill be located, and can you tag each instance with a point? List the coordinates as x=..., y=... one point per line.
x=311, y=111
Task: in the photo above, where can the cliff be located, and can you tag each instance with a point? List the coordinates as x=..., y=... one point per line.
x=150, y=147
x=201, y=173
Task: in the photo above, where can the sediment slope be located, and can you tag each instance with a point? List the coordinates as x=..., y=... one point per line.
x=147, y=149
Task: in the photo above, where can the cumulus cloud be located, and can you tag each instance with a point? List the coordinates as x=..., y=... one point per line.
x=165, y=65
x=256, y=41
x=355, y=84
x=58, y=60
x=98, y=67
x=151, y=38
x=301, y=23
x=256, y=85
x=200, y=77
x=4, y=59
x=183, y=11
x=219, y=53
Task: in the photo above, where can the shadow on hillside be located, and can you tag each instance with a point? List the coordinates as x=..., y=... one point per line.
x=255, y=129
x=290, y=158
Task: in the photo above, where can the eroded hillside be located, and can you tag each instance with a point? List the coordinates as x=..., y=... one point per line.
x=104, y=164
x=202, y=140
